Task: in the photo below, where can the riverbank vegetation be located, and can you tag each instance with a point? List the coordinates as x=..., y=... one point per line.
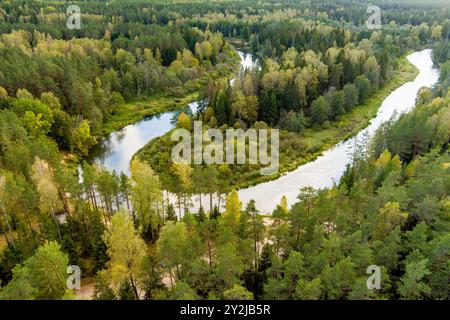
x=296, y=146
x=318, y=82
x=385, y=211
x=61, y=89
x=107, y=82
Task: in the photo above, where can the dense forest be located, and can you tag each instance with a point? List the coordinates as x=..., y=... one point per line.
x=322, y=72
x=315, y=77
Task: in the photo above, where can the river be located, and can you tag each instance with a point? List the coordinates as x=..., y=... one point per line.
x=116, y=151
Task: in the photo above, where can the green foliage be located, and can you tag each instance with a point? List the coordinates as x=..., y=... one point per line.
x=126, y=251
x=184, y=122
x=319, y=82
x=412, y=285
x=182, y=291
x=237, y=293
x=320, y=111
x=42, y=276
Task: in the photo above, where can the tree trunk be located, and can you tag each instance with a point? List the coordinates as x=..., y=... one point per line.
x=108, y=210
x=117, y=202
x=171, y=280
x=65, y=202
x=179, y=205
x=209, y=254
x=9, y=228
x=133, y=285
x=93, y=197
x=162, y=207
x=128, y=202
x=56, y=222
x=152, y=233
x=167, y=198
x=178, y=272
x=210, y=203
x=16, y=225
x=255, y=236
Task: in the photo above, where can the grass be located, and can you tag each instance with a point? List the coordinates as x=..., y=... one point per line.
x=295, y=149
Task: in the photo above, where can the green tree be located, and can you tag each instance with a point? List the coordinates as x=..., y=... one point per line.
x=413, y=283
x=351, y=96
x=320, y=110
x=233, y=207
x=182, y=291
x=308, y=290
x=42, y=276
x=364, y=88
x=171, y=247
x=229, y=265
x=338, y=280
x=389, y=218
x=237, y=292
x=183, y=182
x=3, y=93
x=184, y=122
x=82, y=140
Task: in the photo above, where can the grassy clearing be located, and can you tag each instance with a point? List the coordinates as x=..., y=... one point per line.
x=295, y=149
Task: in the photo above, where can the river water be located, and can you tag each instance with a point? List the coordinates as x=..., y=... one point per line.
x=116, y=151
x=329, y=167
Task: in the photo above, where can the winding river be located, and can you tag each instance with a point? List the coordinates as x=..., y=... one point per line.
x=116, y=151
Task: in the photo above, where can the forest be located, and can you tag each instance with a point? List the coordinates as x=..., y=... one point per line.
x=323, y=75
x=319, y=83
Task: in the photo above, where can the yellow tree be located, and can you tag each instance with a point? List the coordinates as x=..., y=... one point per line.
x=146, y=196
x=3, y=93
x=43, y=178
x=389, y=218
x=184, y=122
x=126, y=251
x=183, y=176
x=280, y=227
x=233, y=208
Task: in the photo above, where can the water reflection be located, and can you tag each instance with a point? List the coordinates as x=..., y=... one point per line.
x=116, y=150
x=329, y=167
